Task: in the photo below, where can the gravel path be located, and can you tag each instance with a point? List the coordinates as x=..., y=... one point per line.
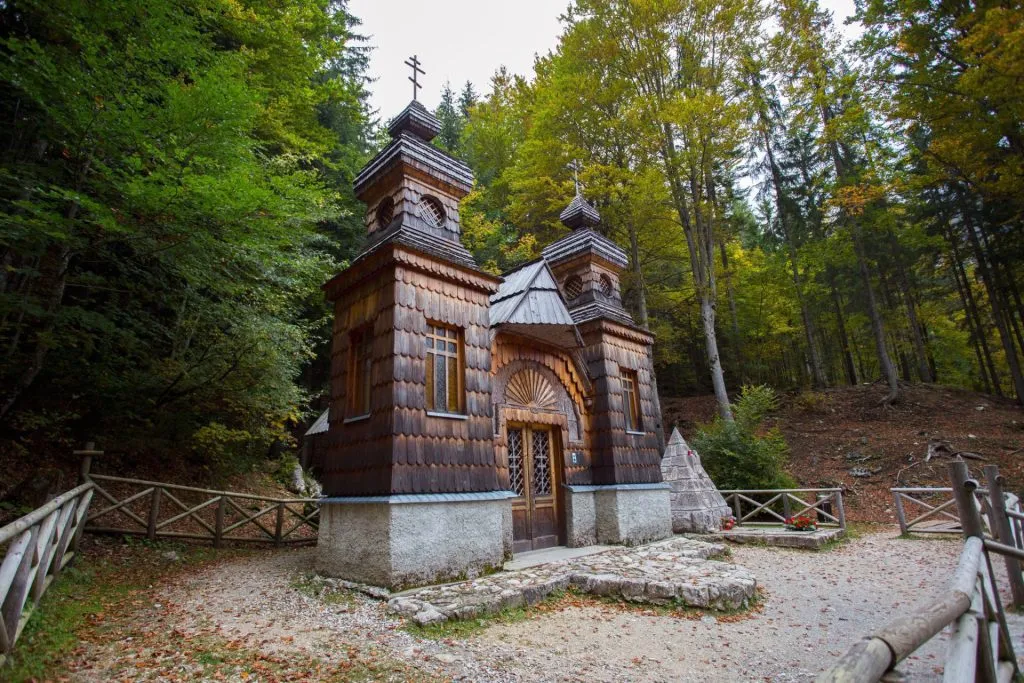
x=815, y=605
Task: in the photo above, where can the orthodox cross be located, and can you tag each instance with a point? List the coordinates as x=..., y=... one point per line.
x=414, y=64
x=576, y=166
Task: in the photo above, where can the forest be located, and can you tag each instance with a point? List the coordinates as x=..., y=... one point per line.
x=800, y=211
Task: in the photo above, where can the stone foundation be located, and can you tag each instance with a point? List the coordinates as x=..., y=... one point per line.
x=627, y=514
x=413, y=540
x=674, y=571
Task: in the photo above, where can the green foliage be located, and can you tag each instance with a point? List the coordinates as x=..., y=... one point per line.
x=740, y=454
x=166, y=218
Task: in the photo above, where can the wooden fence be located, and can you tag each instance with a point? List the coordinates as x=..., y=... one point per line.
x=158, y=510
x=39, y=546
x=778, y=505
x=981, y=647
x=936, y=511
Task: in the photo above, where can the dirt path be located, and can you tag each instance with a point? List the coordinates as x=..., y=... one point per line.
x=815, y=606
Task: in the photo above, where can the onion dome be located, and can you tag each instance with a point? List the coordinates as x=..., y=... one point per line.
x=580, y=214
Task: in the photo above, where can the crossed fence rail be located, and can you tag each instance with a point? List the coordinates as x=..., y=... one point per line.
x=981, y=646
x=936, y=511
x=779, y=505
x=160, y=510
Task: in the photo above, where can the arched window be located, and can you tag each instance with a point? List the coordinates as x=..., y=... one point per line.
x=385, y=212
x=432, y=211
x=606, y=285
x=573, y=287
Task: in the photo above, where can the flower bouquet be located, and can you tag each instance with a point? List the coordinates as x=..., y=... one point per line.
x=728, y=522
x=801, y=523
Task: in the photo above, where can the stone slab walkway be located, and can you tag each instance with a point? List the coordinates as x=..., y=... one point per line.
x=675, y=570
x=778, y=536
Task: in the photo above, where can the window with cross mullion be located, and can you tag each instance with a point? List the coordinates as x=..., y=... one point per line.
x=444, y=369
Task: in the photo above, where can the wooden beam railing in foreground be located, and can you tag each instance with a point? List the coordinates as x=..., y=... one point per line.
x=39, y=546
x=777, y=505
x=160, y=510
x=981, y=647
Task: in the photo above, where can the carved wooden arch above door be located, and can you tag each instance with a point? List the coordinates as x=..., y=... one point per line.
x=532, y=385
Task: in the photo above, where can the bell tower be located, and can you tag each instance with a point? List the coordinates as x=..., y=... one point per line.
x=414, y=492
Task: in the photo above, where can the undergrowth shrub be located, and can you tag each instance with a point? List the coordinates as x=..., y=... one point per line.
x=741, y=454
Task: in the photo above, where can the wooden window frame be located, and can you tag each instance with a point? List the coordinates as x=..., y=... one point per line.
x=632, y=416
x=360, y=389
x=452, y=335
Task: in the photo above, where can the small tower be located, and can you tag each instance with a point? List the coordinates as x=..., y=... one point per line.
x=618, y=355
x=414, y=493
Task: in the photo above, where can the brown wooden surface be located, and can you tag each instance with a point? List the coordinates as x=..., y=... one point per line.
x=536, y=517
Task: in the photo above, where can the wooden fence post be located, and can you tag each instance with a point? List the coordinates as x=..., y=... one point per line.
x=840, y=510
x=279, y=526
x=901, y=515
x=218, y=529
x=787, y=512
x=736, y=507
x=154, y=514
x=86, y=466
x=1001, y=527
x=963, y=492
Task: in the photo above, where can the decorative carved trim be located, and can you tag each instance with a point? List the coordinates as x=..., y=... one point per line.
x=529, y=388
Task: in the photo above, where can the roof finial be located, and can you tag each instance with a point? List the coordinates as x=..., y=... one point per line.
x=414, y=64
x=576, y=166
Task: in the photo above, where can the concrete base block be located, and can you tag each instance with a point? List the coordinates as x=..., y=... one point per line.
x=580, y=518
x=632, y=514
x=403, y=541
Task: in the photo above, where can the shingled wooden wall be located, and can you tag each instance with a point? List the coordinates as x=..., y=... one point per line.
x=400, y=448
x=618, y=457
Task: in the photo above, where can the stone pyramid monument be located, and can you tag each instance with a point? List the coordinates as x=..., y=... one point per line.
x=697, y=506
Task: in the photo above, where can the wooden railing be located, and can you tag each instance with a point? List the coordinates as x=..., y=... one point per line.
x=938, y=512
x=981, y=647
x=39, y=546
x=159, y=510
x=778, y=505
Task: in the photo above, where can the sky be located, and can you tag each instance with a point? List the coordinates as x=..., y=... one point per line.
x=460, y=40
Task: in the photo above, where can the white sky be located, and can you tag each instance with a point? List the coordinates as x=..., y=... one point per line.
x=460, y=40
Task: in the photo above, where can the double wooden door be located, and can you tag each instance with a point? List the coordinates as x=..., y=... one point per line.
x=532, y=452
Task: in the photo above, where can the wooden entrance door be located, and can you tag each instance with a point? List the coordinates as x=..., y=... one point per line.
x=534, y=478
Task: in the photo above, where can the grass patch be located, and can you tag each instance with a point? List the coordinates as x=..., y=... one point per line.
x=107, y=578
x=465, y=628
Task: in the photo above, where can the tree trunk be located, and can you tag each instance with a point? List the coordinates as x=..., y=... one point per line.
x=844, y=338
x=976, y=336
x=995, y=301
x=972, y=312
x=877, y=327
x=702, y=268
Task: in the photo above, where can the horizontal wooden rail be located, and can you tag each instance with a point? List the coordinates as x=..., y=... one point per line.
x=39, y=546
x=162, y=510
x=980, y=647
x=783, y=504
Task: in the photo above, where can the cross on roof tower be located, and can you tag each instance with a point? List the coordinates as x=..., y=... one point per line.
x=414, y=64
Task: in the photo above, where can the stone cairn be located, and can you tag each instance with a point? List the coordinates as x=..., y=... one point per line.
x=697, y=506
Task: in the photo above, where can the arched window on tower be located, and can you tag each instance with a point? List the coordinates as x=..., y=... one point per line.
x=385, y=212
x=573, y=287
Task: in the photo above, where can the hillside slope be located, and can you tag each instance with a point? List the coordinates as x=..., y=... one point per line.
x=834, y=432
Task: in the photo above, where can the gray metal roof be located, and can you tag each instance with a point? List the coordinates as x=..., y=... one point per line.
x=415, y=119
x=320, y=426
x=529, y=302
x=583, y=242
x=415, y=151
x=579, y=213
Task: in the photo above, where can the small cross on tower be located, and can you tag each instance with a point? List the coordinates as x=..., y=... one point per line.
x=414, y=64
x=576, y=166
